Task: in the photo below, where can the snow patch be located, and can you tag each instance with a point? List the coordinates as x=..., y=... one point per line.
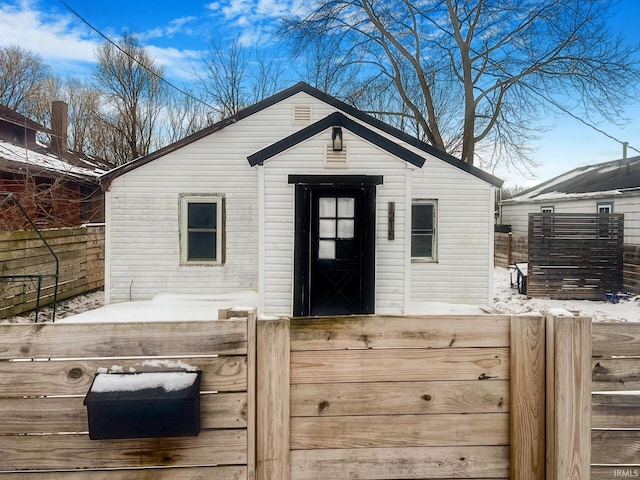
x=168, y=381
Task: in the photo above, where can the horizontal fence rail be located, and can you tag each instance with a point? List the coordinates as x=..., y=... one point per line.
x=615, y=367
x=575, y=256
x=46, y=371
x=81, y=255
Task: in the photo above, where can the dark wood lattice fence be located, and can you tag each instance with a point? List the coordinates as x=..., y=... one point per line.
x=575, y=256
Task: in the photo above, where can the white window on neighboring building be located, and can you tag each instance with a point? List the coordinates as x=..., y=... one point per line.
x=604, y=207
x=201, y=229
x=547, y=209
x=424, y=219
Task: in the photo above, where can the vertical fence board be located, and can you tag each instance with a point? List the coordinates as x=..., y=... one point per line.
x=251, y=395
x=527, y=398
x=569, y=398
x=273, y=380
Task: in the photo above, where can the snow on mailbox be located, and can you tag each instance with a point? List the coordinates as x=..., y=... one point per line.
x=144, y=404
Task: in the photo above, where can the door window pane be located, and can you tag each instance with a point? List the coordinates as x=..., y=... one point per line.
x=346, y=207
x=346, y=229
x=327, y=207
x=327, y=249
x=327, y=228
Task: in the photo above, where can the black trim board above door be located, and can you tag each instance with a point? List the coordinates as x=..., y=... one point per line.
x=337, y=180
x=336, y=119
x=308, y=190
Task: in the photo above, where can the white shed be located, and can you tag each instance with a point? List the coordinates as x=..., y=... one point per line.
x=316, y=206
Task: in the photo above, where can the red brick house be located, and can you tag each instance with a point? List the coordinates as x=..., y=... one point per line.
x=57, y=187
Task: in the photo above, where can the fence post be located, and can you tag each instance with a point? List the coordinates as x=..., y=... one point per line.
x=568, y=398
x=251, y=394
x=509, y=249
x=527, y=419
x=272, y=390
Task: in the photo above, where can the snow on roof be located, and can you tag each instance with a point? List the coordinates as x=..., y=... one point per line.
x=47, y=161
x=613, y=178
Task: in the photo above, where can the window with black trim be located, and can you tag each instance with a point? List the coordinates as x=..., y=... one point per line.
x=201, y=229
x=424, y=214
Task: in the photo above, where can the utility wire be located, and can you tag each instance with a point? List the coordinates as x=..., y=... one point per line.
x=155, y=74
x=583, y=121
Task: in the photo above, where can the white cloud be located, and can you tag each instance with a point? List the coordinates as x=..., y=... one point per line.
x=68, y=45
x=176, y=26
x=177, y=64
x=53, y=37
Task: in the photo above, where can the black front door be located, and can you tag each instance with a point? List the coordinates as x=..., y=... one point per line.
x=336, y=252
x=335, y=249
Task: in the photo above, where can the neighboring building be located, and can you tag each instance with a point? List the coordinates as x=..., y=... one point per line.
x=57, y=187
x=314, y=205
x=610, y=187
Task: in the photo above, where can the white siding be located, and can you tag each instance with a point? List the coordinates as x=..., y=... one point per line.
x=516, y=214
x=143, y=210
x=143, y=222
x=464, y=263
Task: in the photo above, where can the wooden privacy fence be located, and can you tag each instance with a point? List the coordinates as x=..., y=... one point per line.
x=575, y=256
x=373, y=398
x=81, y=254
x=510, y=249
x=631, y=274
x=616, y=401
x=422, y=398
x=46, y=370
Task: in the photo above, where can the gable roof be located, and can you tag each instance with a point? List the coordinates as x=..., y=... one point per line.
x=324, y=97
x=336, y=119
x=610, y=178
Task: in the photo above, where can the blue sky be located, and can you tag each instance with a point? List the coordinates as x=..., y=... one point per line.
x=175, y=34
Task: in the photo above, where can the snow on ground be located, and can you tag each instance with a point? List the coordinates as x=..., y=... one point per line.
x=171, y=307
x=507, y=300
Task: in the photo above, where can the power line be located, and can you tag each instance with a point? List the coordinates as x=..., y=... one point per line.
x=584, y=122
x=155, y=74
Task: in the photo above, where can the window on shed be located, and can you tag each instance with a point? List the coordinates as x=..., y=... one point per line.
x=201, y=229
x=604, y=207
x=423, y=229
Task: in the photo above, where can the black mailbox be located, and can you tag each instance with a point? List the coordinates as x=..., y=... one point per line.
x=142, y=405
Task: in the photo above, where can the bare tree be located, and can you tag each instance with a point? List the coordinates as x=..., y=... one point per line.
x=184, y=115
x=134, y=97
x=83, y=114
x=235, y=77
x=22, y=78
x=475, y=75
